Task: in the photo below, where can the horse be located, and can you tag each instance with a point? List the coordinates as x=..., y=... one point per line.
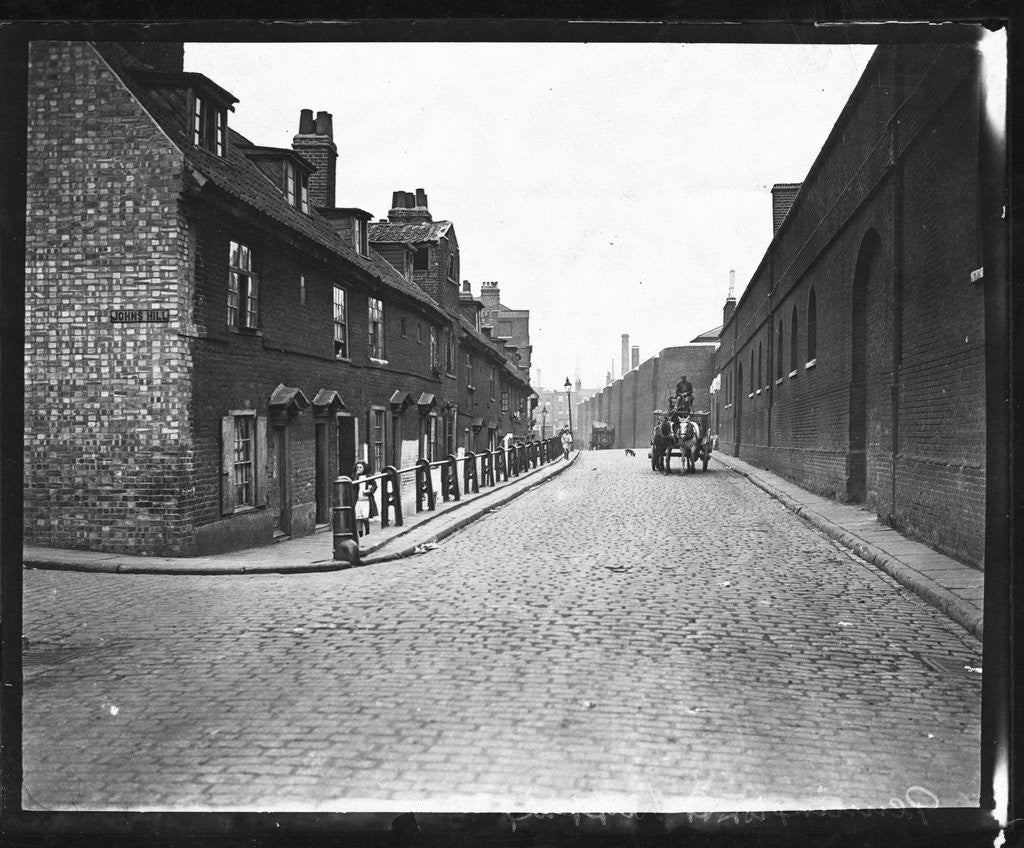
x=690, y=443
x=660, y=445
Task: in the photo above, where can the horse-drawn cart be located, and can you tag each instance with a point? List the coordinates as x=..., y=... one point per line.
x=686, y=435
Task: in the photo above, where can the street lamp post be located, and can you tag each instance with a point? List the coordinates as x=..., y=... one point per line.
x=543, y=421
x=568, y=400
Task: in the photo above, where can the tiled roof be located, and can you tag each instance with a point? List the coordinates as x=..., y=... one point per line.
x=409, y=232
x=238, y=177
x=708, y=336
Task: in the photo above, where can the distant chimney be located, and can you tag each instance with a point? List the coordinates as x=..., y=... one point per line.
x=409, y=207
x=608, y=378
x=467, y=292
x=634, y=359
x=783, y=195
x=730, y=301
x=625, y=353
x=315, y=142
x=490, y=294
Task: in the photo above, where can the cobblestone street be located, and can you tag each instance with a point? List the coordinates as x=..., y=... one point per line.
x=612, y=640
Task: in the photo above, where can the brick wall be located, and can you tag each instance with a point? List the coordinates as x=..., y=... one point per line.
x=107, y=445
x=899, y=350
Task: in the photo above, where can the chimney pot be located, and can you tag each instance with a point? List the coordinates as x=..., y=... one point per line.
x=324, y=124
x=396, y=199
x=465, y=287
x=421, y=197
x=306, y=122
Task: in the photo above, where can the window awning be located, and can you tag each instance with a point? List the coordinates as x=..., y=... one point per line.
x=426, y=402
x=492, y=424
x=477, y=423
x=327, y=401
x=287, y=400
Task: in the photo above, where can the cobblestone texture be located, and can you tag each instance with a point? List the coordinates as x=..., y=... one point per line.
x=614, y=640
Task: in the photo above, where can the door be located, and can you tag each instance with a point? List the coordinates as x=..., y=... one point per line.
x=346, y=445
x=283, y=526
x=323, y=478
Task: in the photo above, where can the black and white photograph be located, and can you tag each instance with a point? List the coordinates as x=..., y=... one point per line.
x=602, y=426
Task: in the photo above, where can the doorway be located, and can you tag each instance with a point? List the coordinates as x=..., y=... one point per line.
x=322, y=475
x=857, y=466
x=738, y=416
x=283, y=525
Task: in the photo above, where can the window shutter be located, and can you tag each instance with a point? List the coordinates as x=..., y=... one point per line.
x=227, y=464
x=261, y=454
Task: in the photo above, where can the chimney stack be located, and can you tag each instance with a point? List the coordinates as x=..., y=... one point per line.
x=625, y=353
x=783, y=195
x=730, y=301
x=315, y=142
x=634, y=361
x=409, y=207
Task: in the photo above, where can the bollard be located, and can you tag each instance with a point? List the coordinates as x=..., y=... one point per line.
x=500, y=468
x=343, y=522
x=424, y=486
x=487, y=468
x=469, y=481
x=450, y=479
x=511, y=463
x=390, y=497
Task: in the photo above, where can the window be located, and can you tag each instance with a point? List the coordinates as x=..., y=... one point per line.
x=296, y=187
x=451, y=267
x=504, y=400
x=242, y=292
x=304, y=193
x=421, y=259
x=302, y=288
x=209, y=125
x=760, y=365
x=794, y=333
x=491, y=386
x=778, y=354
x=376, y=320
x=449, y=353
x=359, y=236
x=469, y=371
x=243, y=454
x=402, y=328
x=340, y=323
x=753, y=388
x=377, y=438
x=812, y=326
x=435, y=360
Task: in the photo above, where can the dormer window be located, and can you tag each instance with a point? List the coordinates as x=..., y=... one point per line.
x=209, y=124
x=296, y=187
x=359, y=236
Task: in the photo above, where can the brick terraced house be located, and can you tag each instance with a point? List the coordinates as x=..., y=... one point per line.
x=209, y=339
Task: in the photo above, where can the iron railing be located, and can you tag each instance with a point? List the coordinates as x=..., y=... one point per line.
x=486, y=468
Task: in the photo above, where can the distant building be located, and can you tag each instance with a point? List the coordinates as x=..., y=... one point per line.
x=507, y=323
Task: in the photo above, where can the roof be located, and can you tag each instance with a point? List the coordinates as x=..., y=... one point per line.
x=415, y=232
x=708, y=335
x=238, y=177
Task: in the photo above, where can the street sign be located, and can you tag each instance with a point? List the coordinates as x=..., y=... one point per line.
x=139, y=316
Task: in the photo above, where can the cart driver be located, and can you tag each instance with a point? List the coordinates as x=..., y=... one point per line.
x=683, y=400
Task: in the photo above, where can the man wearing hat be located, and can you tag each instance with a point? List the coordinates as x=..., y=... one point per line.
x=683, y=400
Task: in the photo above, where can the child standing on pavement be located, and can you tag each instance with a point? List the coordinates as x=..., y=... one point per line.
x=566, y=442
x=366, y=507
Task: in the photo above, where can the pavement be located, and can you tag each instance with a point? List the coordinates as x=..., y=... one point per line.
x=956, y=589
x=315, y=551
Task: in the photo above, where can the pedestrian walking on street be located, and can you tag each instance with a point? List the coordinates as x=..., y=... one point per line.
x=566, y=442
x=366, y=506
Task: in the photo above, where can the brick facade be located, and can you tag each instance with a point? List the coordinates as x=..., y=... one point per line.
x=198, y=433
x=885, y=404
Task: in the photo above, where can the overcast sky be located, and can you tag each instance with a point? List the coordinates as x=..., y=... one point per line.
x=608, y=188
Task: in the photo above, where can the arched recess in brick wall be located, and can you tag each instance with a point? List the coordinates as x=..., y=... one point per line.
x=738, y=416
x=856, y=466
